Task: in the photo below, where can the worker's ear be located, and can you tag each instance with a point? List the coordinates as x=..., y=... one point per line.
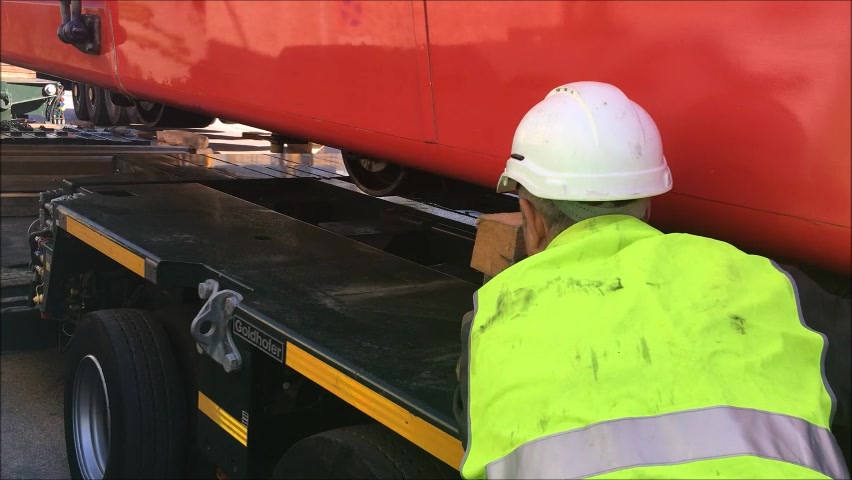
x=535, y=230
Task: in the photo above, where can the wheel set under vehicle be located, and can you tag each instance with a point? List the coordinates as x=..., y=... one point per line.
x=379, y=177
x=94, y=104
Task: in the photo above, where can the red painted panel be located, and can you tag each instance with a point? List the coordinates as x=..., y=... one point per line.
x=28, y=39
x=354, y=63
x=780, y=237
x=752, y=98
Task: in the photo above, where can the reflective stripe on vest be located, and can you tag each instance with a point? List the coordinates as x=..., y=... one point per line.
x=718, y=432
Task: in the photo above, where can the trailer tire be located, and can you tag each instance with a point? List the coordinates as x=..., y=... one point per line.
x=117, y=114
x=125, y=412
x=95, y=99
x=360, y=451
x=78, y=95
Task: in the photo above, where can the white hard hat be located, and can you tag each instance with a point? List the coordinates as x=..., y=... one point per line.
x=586, y=141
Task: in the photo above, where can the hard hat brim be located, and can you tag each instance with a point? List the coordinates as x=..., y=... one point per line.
x=506, y=184
x=607, y=187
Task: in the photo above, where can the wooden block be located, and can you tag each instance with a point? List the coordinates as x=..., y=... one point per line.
x=257, y=136
x=146, y=135
x=499, y=243
x=183, y=139
x=299, y=148
x=11, y=71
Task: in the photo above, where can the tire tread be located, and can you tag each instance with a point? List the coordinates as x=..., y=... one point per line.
x=146, y=381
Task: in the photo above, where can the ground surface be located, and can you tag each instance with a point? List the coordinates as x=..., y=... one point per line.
x=32, y=443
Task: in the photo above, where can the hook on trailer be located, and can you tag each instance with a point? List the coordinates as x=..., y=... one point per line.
x=210, y=327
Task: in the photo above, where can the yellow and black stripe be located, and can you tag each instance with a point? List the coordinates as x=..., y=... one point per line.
x=420, y=432
x=223, y=419
x=105, y=245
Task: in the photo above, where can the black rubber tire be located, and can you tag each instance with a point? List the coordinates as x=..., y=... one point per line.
x=393, y=179
x=78, y=93
x=118, y=115
x=157, y=115
x=360, y=451
x=95, y=100
x=133, y=116
x=147, y=405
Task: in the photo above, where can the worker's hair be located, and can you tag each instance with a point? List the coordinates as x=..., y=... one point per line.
x=556, y=216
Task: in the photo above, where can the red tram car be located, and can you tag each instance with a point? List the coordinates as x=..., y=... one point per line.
x=752, y=98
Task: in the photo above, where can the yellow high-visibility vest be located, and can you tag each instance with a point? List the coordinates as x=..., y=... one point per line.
x=623, y=352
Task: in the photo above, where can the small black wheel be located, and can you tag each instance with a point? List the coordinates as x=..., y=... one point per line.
x=133, y=115
x=96, y=100
x=360, y=451
x=78, y=99
x=379, y=178
x=125, y=411
x=118, y=115
x=158, y=115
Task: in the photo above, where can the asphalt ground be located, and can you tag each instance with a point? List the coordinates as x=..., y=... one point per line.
x=32, y=443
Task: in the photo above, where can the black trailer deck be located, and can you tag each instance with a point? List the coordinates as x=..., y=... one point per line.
x=362, y=295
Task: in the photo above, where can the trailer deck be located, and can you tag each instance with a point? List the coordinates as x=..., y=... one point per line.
x=361, y=295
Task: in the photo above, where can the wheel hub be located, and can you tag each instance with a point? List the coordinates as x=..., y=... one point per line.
x=373, y=165
x=91, y=418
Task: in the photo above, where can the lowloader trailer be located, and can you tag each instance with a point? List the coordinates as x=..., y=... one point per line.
x=257, y=318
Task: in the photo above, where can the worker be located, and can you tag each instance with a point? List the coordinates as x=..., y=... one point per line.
x=615, y=350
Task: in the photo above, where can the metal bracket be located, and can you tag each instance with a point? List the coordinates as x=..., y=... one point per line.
x=81, y=31
x=92, y=45
x=211, y=327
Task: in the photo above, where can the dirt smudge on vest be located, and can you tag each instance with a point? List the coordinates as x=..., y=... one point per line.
x=616, y=285
x=646, y=353
x=738, y=323
x=589, y=287
x=733, y=272
x=595, y=365
x=510, y=305
x=653, y=284
x=543, y=422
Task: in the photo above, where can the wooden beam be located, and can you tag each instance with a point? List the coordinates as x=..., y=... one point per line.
x=499, y=243
x=183, y=139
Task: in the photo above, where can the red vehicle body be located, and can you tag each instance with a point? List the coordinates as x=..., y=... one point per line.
x=752, y=98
